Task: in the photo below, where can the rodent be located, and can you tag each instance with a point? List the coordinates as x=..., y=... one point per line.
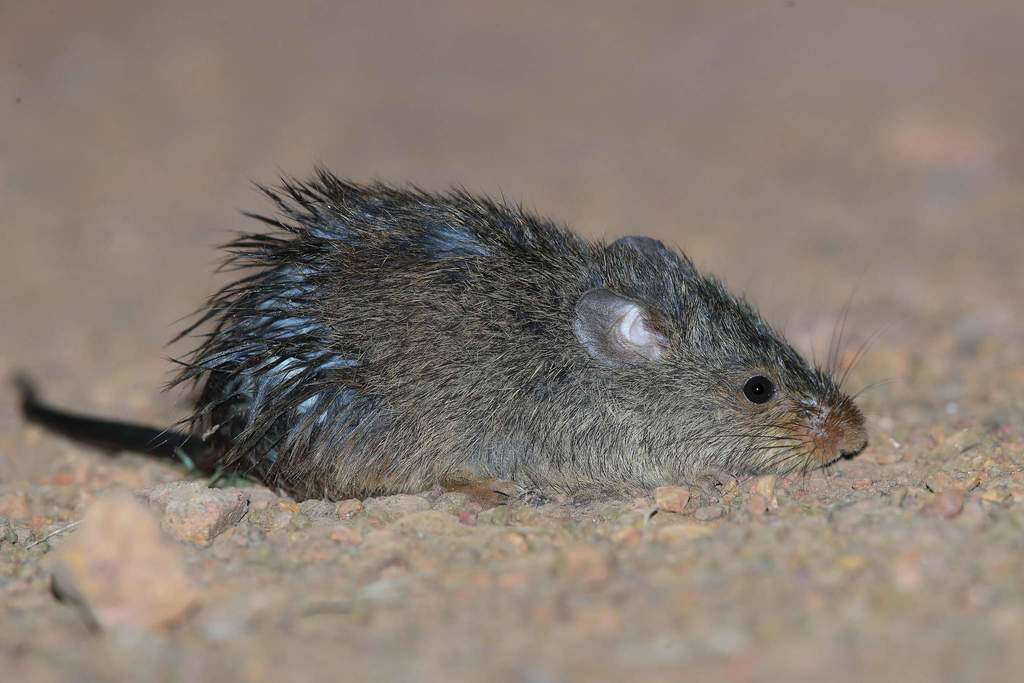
x=387, y=340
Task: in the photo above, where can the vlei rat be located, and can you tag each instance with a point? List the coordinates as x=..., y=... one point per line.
x=388, y=340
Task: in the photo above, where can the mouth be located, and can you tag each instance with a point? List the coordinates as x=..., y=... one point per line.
x=853, y=451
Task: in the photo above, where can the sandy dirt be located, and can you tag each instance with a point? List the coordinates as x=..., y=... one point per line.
x=810, y=155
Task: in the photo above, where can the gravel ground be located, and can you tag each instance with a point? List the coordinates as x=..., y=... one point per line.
x=810, y=155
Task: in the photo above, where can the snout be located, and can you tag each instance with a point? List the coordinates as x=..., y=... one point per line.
x=837, y=431
x=851, y=440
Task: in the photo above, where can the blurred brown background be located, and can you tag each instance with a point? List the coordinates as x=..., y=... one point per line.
x=801, y=150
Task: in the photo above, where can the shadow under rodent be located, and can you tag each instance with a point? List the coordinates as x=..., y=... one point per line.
x=387, y=340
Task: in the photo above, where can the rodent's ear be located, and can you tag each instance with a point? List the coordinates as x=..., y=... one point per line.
x=648, y=246
x=616, y=330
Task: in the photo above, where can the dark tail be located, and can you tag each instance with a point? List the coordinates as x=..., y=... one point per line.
x=108, y=434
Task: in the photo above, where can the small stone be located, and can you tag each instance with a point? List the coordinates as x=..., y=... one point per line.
x=346, y=535
x=671, y=498
x=709, y=512
x=7, y=533
x=906, y=571
x=626, y=535
x=23, y=535
x=674, y=533
x=277, y=514
x=512, y=580
x=757, y=506
x=974, y=514
x=765, y=487
x=972, y=482
x=861, y=484
x=117, y=569
x=390, y=508
x=948, y=504
x=850, y=563
x=430, y=523
x=349, y=508
x=884, y=456
x=586, y=563
x=318, y=509
x=996, y=494
x=195, y=513
x=14, y=504
x=498, y=516
x=937, y=482
x=261, y=498
x=513, y=541
x=289, y=506
x=898, y=495
x=452, y=502
x=382, y=591
x=299, y=522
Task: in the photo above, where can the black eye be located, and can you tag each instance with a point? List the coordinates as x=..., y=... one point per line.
x=759, y=389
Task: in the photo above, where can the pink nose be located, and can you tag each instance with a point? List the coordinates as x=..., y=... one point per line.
x=837, y=431
x=850, y=440
x=844, y=425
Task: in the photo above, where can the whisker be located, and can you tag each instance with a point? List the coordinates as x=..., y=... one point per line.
x=873, y=385
x=861, y=351
x=836, y=352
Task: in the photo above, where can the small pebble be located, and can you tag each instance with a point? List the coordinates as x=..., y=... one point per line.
x=757, y=506
x=937, y=482
x=671, y=498
x=996, y=494
x=318, y=510
x=974, y=514
x=499, y=516
x=276, y=515
x=390, y=508
x=452, y=502
x=898, y=495
x=7, y=533
x=14, y=504
x=709, y=512
x=850, y=563
x=883, y=456
x=906, y=571
x=380, y=592
x=765, y=487
x=23, y=535
x=261, y=498
x=118, y=570
x=673, y=533
x=346, y=535
x=948, y=504
x=195, y=513
x=586, y=563
x=349, y=508
x=430, y=523
x=972, y=482
x=626, y=535
x=513, y=541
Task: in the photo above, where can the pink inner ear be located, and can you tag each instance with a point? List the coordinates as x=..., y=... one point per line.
x=635, y=333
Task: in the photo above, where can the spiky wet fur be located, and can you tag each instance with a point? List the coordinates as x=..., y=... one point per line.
x=390, y=339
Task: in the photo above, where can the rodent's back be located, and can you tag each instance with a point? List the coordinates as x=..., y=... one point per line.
x=393, y=339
